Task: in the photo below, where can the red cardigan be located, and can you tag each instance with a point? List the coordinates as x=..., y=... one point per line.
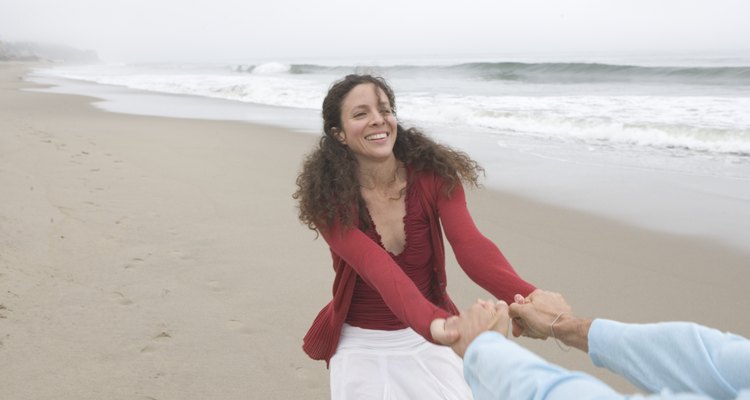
x=354, y=253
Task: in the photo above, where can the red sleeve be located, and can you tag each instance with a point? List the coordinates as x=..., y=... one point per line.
x=478, y=256
x=379, y=270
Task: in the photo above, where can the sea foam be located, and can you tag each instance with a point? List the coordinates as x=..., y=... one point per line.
x=694, y=108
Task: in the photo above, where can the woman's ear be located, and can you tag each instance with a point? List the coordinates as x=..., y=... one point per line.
x=339, y=135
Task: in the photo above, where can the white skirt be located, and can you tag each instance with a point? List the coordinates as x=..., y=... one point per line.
x=375, y=364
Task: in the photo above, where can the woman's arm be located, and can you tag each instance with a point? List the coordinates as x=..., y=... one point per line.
x=478, y=256
x=379, y=270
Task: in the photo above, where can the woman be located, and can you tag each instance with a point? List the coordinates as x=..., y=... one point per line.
x=378, y=194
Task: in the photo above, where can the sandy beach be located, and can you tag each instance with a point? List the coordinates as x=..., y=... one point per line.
x=161, y=258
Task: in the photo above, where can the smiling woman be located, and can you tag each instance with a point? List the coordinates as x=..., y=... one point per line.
x=379, y=194
x=369, y=127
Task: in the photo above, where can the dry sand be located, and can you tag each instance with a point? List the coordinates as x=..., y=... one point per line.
x=159, y=258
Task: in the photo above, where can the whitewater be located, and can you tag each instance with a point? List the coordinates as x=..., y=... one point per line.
x=693, y=108
x=663, y=144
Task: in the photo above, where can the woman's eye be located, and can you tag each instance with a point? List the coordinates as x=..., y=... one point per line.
x=359, y=115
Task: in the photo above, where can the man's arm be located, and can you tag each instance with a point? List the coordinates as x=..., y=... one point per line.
x=679, y=356
x=497, y=368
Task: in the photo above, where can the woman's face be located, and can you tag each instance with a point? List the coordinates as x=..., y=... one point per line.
x=368, y=124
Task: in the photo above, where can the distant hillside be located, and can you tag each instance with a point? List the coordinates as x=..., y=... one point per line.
x=29, y=51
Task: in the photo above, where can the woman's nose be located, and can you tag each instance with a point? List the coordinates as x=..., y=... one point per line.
x=377, y=119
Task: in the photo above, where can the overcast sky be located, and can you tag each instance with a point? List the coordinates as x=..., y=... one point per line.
x=234, y=30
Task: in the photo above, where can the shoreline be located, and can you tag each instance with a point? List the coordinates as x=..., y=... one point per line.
x=698, y=195
x=162, y=257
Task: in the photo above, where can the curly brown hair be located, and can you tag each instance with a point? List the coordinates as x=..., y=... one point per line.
x=328, y=188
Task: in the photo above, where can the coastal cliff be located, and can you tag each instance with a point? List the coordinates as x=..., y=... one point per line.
x=30, y=51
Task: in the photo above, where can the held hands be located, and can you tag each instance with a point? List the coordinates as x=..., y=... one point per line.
x=459, y=332
x=535, y=314
x=532, y=316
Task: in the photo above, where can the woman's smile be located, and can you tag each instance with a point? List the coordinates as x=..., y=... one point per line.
x=368, y=123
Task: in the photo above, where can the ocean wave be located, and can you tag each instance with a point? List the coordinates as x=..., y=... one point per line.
x=303, y=69
x=691, y=119
x=264, y=69
x=724, y=127
x=593, y=72
x=536, y=72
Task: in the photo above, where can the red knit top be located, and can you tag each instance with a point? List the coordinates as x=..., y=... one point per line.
x=374, y=289
x=368, y=309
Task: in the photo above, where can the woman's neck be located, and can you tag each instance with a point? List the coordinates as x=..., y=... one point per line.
x=382, y=175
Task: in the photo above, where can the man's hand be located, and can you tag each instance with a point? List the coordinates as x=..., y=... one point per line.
x=536, y=313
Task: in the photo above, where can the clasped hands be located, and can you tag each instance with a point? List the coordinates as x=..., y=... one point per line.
x=530, y=316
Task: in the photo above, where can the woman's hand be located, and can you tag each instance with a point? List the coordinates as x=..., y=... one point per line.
x=441, y=333
x=533, y=315
x=480, y=317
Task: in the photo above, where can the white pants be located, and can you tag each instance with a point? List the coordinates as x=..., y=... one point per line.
x=375, y=364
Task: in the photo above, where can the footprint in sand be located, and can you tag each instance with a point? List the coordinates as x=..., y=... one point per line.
x=121, y=299
x=163, y=336
x=305, y=374
x=134, y=262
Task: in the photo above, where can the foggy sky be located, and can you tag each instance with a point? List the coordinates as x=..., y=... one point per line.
x=233, y=30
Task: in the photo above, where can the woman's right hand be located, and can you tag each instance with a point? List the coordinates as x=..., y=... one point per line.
x=482, y=316
x=444, y=332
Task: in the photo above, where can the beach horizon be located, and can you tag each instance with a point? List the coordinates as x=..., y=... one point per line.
x=160, y=258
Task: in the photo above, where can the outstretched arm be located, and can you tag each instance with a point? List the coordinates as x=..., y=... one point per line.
x=496, y=368
x=379, y=270
x=679, y=356
x=477, y=255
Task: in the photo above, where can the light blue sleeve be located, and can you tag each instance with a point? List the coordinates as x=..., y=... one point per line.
x=497, y=368
x=674, y=356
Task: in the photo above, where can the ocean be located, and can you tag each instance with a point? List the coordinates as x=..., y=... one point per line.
x=660, y=142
